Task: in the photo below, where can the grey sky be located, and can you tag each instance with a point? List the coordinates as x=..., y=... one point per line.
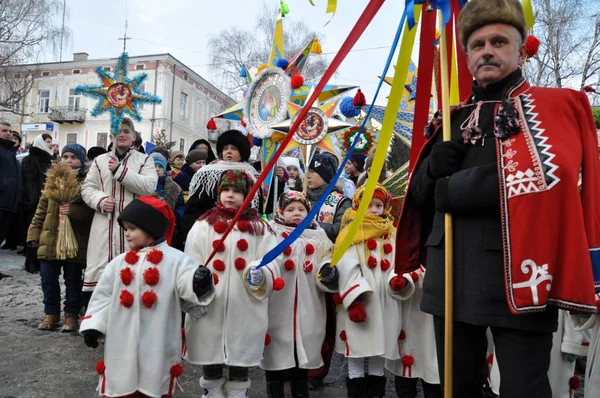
x=182, y=28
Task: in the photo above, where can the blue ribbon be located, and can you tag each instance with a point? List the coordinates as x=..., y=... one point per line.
x=443, y=5
x=277, y=250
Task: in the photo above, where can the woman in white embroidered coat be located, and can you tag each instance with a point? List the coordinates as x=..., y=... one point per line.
x=112, y=182
x=418, y=356
x=297, y=314
x=234, y=329
x=369, y=314
x=137, y=306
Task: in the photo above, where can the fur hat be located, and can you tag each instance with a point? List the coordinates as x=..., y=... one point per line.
x=76, y=150
x=159, y=159
x=237, y=139
x=195, y=155
x=324, y=166
x=95, y=151
x=150, y=214
x=478, y=13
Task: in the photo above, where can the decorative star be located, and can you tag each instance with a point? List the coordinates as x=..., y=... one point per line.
x=117, y=94
x=412, y=88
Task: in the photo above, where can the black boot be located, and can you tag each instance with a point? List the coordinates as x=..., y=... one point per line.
x=357, y=388
x=275, y=389
x=375, y=386
x=300, y=388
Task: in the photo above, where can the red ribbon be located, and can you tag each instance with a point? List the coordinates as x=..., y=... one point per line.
x=356, y=32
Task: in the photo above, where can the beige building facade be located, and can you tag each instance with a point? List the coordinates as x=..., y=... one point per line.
x=51, y=106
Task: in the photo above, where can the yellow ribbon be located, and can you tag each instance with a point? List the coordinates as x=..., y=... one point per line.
x=331, y=8
x=528, y=11
x=385, y=136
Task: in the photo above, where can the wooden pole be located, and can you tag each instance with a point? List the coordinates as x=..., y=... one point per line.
x=449, y=255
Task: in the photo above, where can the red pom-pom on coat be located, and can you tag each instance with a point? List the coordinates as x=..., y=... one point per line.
x=297, y=81
x=243, y=226
x=278, y=284
x=100, y=367
x=284, y=235
x=289, y=265
x=308, y=266
x=240, y=263
x=574, y=383
x=408, y=360
x=152, y=276
x=242, y=244
x=414, y=276
x=131, y=257
x=220, y=227
x=310, y=249
x=149, y=298
x=343, y=335
x=219, y=265
x=126, y=276
x=215, y=279
x=176, y=370
x=385, y=265
x=532, y=45
x=155, y=256
x=372, y=244
x=126, y=298
x=218, y=247
x=267, y=339
x=372, y=262
x=287, y=251
x=402, y=335
x=337, y=299
x=387, y=248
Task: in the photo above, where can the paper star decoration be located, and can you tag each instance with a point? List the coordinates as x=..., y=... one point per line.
x=118, y=95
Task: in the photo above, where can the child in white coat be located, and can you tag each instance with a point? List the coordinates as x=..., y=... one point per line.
x=369, y=314
x=234, y=330
x=137, y=306
x=297, y=314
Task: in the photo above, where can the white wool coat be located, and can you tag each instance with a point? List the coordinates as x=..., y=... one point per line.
x=135, y=176
x=378, y=335
x=234, y=330
x=142, y=344
x=417, y=337
x=297, y=313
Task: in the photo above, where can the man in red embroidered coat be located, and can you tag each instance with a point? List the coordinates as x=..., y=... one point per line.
x=525, y=240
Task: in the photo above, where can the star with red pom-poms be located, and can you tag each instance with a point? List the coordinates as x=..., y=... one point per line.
x=287, y=251
x=100, y=367
x=176, y=370
x=220, y=227
x=385, y=264
x=337, y=299
x=532, y=45
x=126, y=298
x=155, y=256
x=240, y=263
x=343, y=336
x=387, y=248
x=148, y=298
x=131, y=257
x=289, y=265
x=219, y=265
x=243, y=226
x=278, y=284
x=218, y=246
x=152, y=276
x=310, y=249
x=267, y=339
x=372, y=262
x=372, y=244
x=242, y=244
x=126, y=276
x=215, y=279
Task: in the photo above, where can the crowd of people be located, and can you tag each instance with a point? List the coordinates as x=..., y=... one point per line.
x=156, y=278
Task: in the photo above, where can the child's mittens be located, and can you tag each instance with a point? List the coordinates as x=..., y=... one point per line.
x=328, y=275
x=357, y=312
x=256, y=276
x=90, y=337
x=196, y=312
x=398, y=283
x=202, y=281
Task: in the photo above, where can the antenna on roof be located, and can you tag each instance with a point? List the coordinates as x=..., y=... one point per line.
x=125, y=38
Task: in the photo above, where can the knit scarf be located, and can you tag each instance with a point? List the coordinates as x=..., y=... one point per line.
x=256, y=225
x=371, y=227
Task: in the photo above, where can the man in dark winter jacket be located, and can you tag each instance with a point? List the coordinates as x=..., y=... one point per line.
x=11, y=184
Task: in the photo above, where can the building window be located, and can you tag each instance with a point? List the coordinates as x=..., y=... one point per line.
x=44, y=101
x=102, y=140
x=71, y=138
x=140, y=67
x=182, y=145
x=76, y=71
x=185, y=76
x=74, y=100
x=141, y=88
x=183, y=106
x=45, y=74
x=107, y=68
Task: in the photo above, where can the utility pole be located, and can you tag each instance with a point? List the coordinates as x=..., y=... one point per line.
x=125, y=38
x=62, y=32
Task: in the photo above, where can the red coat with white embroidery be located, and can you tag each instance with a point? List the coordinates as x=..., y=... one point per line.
x=234, y=330
x=551, y=230
x=137, y=306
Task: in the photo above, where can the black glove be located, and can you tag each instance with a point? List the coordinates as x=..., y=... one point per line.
x=442, y=196
x=90, y=337
x=329, y=275
x=445, y=159
x=202, y=281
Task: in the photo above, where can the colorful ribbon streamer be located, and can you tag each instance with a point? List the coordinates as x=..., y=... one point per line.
x=385, y=136
x=357, y=31
x=442, y=5
x=276, y=252
x=528, y=11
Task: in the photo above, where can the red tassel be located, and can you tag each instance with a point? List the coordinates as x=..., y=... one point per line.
x=219, y=265
x=126, y=276
x=242, y=244
x=385, y=265
x=278, y=284
x=155, y=256
x=574, y=383
x=310, y=249
x=100, y=367
x=176, y=370
x=126, y=298
x=414, y=276
x=220, y=227
x=148, y=298
x=287, y=251
x=211, y=125
x=267, y=339
x=359, y=99
x=343, y=335
x=532, y=45
x=152, y=276
x=402, y=335
x=297, y=81
x=240, y=263
x=289, y=265
x=408, y=361
x=131, y=257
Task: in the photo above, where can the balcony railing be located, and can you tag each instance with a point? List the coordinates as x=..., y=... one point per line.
x=65, y=114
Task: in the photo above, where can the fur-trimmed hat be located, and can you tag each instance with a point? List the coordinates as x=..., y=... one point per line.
x=151, y=215
x=478, y=13
x=237, y=139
